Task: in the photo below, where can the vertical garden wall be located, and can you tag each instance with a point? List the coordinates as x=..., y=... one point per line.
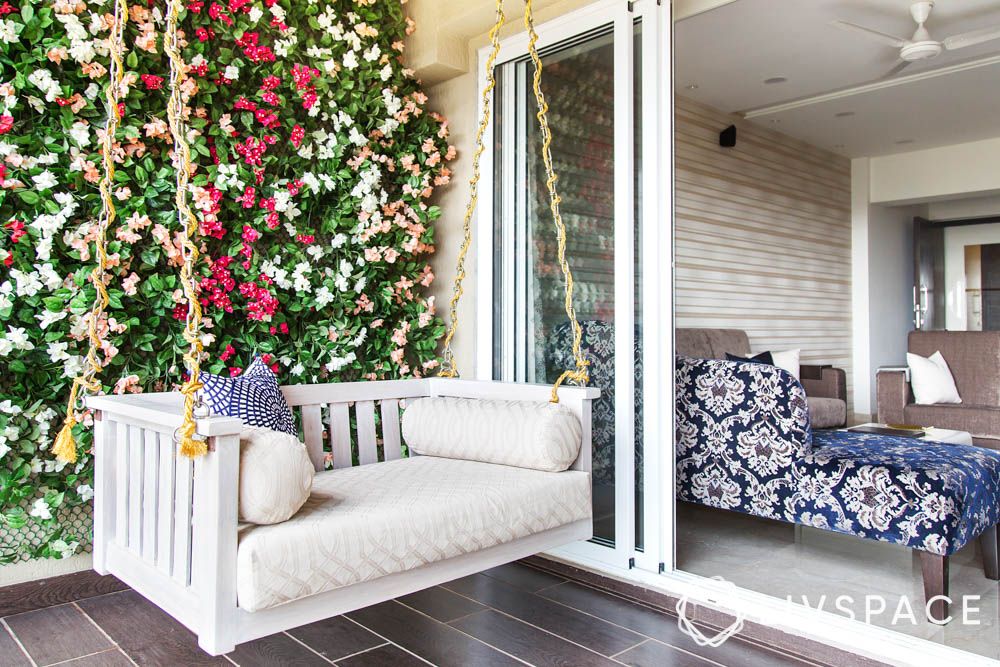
x=315, y=159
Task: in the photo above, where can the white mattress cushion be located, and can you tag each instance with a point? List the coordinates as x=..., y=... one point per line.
x=365, y=522
x=527, y=434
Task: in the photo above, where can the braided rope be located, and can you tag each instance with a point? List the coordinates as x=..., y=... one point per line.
x=578, y=375
x=190, y=444
x=448, y=365
x=64, y=447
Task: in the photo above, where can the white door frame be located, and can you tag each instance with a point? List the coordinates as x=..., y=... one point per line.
x=658, y=387
x=621, y=17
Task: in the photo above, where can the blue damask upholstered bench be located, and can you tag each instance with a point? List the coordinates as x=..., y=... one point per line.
x=744, y=444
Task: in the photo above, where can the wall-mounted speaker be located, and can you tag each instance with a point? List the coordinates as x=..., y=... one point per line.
x=727, y=138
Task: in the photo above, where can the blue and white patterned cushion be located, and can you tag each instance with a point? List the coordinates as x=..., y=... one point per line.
x=743, y=444
x=255, y=397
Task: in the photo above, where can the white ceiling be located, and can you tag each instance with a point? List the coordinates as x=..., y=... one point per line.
x=729, y=51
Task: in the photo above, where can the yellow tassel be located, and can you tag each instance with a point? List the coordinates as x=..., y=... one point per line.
x=192, y=447
x=65, y=446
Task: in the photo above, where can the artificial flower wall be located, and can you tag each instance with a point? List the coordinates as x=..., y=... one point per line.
x=315, y=159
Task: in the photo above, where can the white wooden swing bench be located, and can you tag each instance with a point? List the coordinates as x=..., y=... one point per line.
x=168, y=526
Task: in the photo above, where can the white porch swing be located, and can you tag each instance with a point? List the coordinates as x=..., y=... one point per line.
x=166, y=517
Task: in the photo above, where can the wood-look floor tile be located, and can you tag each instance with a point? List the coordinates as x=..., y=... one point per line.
x=11, y=654
x=523, y=576
x=145, y=633
x=435, y=642
x=274, y=650
x=528, y=643
x=112, y=658
x=662, y=627
x=383, y=656
x=577, y=627
x=656, y=654
x=56, y=634
x=442, y=604
x=336, y=637
x=48, y=592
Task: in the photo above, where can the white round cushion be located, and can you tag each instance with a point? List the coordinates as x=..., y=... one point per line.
x=276, y=475
x=526, y=434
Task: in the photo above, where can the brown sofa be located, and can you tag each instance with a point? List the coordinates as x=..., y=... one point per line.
x=826, y=387
x=974, y=360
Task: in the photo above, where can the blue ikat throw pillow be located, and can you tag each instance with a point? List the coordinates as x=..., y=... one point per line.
x=255, y=397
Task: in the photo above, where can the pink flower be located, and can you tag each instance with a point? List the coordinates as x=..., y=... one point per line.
x=129, y=383
x=130, y=284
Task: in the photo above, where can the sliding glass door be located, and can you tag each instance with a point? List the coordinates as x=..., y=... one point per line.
x=593, y=69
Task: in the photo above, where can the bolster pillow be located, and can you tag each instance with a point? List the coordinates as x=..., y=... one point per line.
x=276, y=476
x=525, y=434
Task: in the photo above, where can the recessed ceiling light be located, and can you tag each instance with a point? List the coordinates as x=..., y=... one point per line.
x=904, y=141
x=776, y=79
x=843, y=114
x=693, y=86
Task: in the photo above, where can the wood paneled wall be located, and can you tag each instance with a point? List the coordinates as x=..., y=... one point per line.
x=763, y=237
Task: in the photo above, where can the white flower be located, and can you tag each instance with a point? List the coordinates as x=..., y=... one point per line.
x=49, y=276
x=7, y=34
x=323, y=296
x=41, y=510
x=3, y=449
x=65, y=549
x=92, y=91
x=80, y=133
x=9, y=408
x=73, y=366
x=28, y=284
x=57, y=351
x=255, y=14
x=372, y=54
x=86, y=492
x=18, y=337
x=350, y=60
x=297, y=369
x=356, y=137
x=338, y=241
x=45, y=180
x=385, y=73
x=232, y=72
x=47, y=317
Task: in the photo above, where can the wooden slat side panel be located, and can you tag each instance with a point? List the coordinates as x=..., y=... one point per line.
x=340, y=435
x=312, y=433
x=150, y=493
x=124, y=483
x=367, y=444
x=183, y=490
x=135, y=473
x=391, y=441
x=165, y=505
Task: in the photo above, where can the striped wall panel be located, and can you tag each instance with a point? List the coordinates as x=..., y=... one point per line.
x=763, y=237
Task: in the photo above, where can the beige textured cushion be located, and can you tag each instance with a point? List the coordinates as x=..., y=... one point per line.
x=276, y=475
x=370, y=521
x=526, y=434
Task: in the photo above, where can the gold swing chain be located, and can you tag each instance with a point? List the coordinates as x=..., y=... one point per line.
x=190, y=445
x=449, y=369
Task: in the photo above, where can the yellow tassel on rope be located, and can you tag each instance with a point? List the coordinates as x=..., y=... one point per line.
x=64, y=447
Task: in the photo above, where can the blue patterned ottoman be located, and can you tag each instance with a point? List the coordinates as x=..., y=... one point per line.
x=744, y=444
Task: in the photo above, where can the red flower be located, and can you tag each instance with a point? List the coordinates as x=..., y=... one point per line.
x=234, y=371
x=204, y=34
x=152, y=81
x=270, y=83
x=6, y=123
x=298, y=134
x=306, y=238
x=180, y=312
x=195, y=6
x=283, y=327
x=17, y=231
x=248, y=201
x=6, y=8
x=227, y=353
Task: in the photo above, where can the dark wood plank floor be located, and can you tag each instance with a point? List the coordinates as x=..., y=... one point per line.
x=511, y=615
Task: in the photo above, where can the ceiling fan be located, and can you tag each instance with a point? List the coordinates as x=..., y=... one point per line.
x=921, y=46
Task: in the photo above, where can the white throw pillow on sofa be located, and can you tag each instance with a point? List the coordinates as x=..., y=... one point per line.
x=276, y=475
x=931, y=380
x=787, y=360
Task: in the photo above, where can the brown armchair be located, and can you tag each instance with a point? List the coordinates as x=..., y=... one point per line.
x=974, y=360
x=826, y=387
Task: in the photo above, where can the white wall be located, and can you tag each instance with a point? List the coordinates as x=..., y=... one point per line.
x=890, y=286
x=955, y=240
x=965, y=208
x=961, y=170
x=882, y=284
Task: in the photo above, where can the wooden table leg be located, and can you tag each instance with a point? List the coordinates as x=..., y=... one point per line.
x=935, y=571
x=991, y=554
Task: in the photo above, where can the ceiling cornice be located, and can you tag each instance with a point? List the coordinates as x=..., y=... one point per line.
x=870, y=87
